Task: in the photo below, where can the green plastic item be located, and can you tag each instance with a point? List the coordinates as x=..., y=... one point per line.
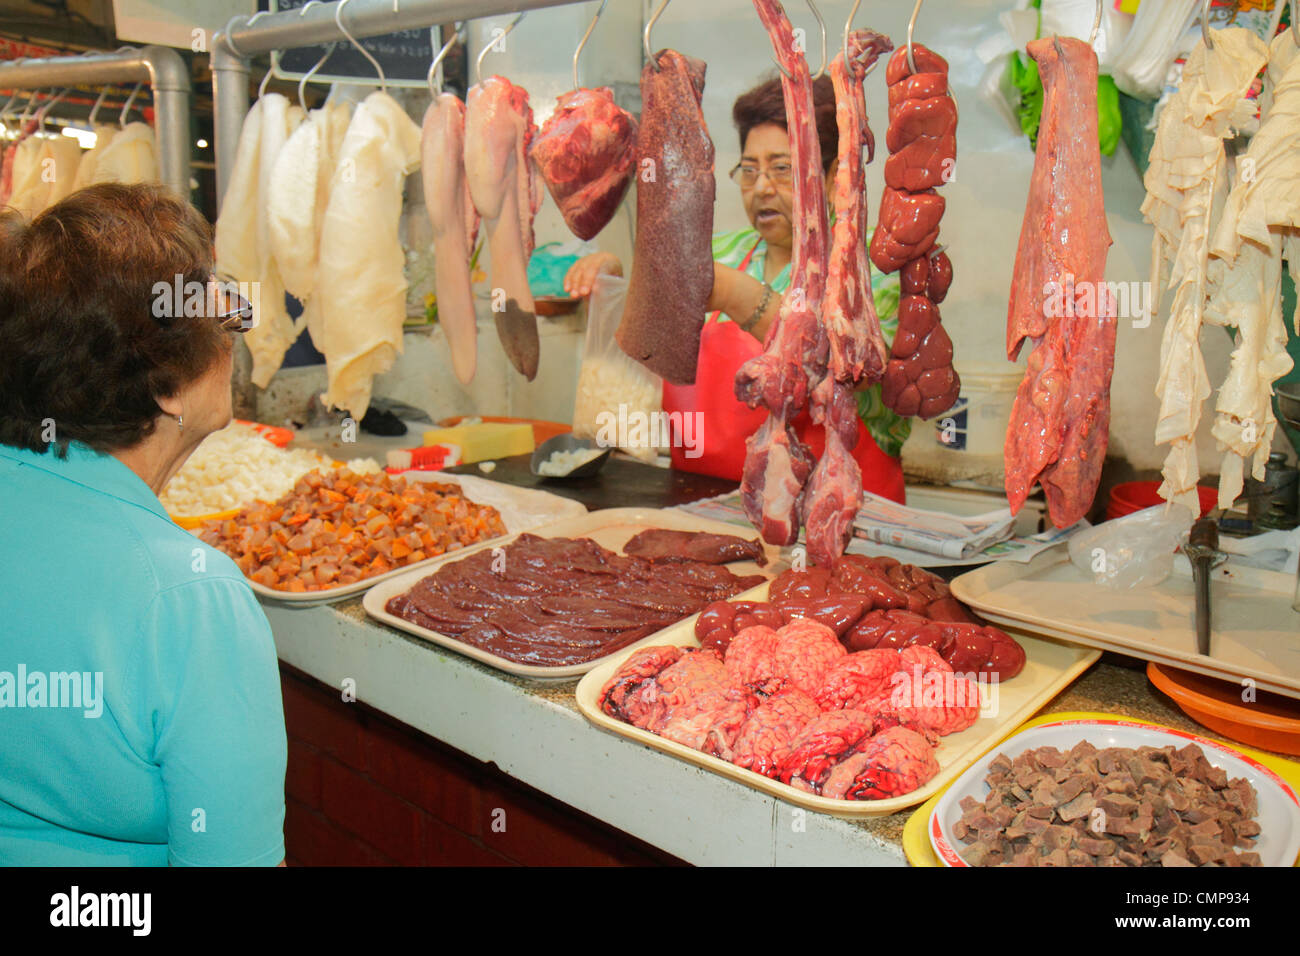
x=1025, y=78
x=546, y=270
x=1024, y=75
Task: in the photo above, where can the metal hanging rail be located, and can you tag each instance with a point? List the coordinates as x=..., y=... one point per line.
x=160, y=67
x=315, y=24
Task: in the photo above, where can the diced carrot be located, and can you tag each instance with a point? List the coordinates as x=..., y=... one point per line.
x=401, y=549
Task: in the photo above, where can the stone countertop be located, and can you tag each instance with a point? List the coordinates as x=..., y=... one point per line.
x=685, y=810
x=534, y=730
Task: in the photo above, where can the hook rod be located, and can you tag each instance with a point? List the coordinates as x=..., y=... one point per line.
x=338, y=22
x=645, y=36
x=478, y=64
x=435, y=66
x=911, y=27
x=583, y=42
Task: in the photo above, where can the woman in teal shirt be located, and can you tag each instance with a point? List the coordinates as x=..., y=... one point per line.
x=140, y=713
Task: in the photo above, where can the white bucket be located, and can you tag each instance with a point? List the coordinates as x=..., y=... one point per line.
x=977, y=424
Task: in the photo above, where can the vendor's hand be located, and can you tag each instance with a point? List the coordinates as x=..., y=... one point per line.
x=582, y=274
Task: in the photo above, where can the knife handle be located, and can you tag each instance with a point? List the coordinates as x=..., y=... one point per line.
x=1204, y=535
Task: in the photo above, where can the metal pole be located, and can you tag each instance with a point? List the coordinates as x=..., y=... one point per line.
x=229, y=106
x=161, y=67
x=315, y=25
x=365, y=18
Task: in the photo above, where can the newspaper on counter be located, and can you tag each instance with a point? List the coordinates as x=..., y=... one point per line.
x=916, y=536
x=933, y=532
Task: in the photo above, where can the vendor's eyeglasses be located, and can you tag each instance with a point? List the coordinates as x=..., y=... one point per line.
x=232, y=311
x=746, y=175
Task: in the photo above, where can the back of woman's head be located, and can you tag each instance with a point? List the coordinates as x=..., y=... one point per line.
x=84, y=352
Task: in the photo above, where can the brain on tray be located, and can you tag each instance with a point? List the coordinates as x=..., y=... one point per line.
x=792, y=704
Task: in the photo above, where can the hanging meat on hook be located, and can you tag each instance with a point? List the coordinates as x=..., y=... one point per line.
x=672, y=268
x=586, y=153
x=1060, y=421
x=922, y=141
x=507, y=193
x=856, y=347
x=794, y=356
x=455, y=228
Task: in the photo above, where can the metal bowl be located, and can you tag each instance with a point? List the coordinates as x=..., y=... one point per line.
x=569, y=442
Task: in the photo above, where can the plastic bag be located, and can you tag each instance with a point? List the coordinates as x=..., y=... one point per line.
x=618, y=401
x=1135, y=551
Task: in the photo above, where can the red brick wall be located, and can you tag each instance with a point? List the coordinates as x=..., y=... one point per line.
x=363, y=789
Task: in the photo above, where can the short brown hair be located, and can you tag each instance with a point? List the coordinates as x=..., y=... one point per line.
x=79, y=341
x=765, y=103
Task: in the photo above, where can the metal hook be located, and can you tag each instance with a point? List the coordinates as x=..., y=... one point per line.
x=645, y=36
x=478, y=64
x=126, y=107
x=1096, y=26
x=583, y=42
x=27, y=110
x=338, y=22
x=302, y=83
x=8, y=108
x=821, y=70
x=248, y=22
x=1205, y=25
x=266, y=78
x=1295, y=24
x=848, y=26
x=822, y=24
x=49, y=104
x=94, y=110
x=435, y=66
x=911, y=26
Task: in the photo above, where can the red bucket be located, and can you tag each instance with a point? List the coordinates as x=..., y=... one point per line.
x=1134, y=496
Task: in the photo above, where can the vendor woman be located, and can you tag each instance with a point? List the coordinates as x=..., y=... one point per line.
x=751, y=270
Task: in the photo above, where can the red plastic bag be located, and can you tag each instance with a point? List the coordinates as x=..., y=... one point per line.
x=718, y=441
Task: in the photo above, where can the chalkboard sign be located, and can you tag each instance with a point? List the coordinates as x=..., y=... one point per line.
x=404, y=55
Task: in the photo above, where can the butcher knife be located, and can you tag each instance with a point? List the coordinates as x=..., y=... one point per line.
x=1202, y=549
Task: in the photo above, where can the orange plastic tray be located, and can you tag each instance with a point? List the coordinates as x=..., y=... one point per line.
x=1269, y=722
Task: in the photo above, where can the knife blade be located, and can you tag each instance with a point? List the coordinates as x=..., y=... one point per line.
x=1202, y=549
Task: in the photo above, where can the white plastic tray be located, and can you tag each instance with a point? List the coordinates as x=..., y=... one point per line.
x=1049, y=668
x=1255, y=633
x=610, y=528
